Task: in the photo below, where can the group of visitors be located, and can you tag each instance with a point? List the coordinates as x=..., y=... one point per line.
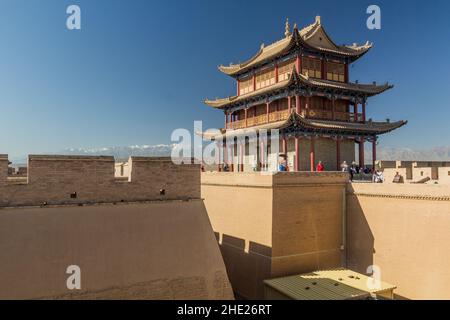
x=354, y=168
x=284, y=166
x=377, y=175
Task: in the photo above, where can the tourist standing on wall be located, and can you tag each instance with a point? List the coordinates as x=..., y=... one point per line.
x=320, y=167
x=344, y=166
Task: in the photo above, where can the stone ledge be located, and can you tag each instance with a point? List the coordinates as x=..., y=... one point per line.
x=34, y=157
x=402, y=196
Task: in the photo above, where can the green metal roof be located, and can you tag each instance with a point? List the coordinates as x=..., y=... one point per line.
x=335, y=284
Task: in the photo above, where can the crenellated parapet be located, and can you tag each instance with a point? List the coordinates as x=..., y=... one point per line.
x=58, y=180
x=3, y=168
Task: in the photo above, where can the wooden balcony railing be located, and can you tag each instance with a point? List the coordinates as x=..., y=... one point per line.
x=237, y=124
x=328, y=115
x=259, y=120
x=284, y=114
x=278, y=115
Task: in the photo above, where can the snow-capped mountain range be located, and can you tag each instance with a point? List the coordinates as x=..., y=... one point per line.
x=120, y=153
x=162, y=150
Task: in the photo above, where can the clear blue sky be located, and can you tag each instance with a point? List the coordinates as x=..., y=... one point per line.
x=139, y=69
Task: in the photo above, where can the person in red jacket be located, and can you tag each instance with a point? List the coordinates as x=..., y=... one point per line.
x=320, y=167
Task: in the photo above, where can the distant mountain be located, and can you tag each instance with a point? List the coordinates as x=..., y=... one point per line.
x=123, y=153
x=432, y=154
x=383, y=153
x=164, y=150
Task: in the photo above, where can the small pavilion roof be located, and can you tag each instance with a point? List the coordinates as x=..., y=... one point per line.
x=332, y=284
x=312, y=37
x=297, y=120
x=300, y=79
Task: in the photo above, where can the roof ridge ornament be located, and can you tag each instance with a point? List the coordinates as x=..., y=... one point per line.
x=287, y=28
x=318, y=20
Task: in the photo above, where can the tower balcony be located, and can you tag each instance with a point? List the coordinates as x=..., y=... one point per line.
x=330, y=115
x=284, y=114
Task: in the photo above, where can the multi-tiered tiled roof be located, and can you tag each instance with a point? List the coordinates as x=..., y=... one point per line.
x=311, y=125
x=313, y=36
x=296, y=81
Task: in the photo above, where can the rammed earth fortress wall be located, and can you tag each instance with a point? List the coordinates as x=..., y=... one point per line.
x=90, y=179
x=160, y=249
x=147, y=250
x=273, y=225
x=403, y=229
x=296, y=222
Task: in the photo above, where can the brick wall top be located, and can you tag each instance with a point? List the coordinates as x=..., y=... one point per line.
x=33, y=157
x=270, y=180
x=59, y=179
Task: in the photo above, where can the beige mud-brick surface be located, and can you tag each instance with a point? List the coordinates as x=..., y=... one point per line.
x=159, y=250
x=271, y=225
x=404, y=230
x=82, y=179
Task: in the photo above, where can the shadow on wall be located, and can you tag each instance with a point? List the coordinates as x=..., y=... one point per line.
x=246, y=267
x=159, y=250
x=360, y=239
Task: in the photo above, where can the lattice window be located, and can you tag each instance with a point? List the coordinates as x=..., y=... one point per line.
x=316, y=103
x=311, y=67
x=285, y=70
x=336, y=71
x=265, y=79
x=340, y=106
x=245, y=86
x=282, y=104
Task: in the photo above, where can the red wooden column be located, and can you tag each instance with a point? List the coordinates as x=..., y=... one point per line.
x=333, y=116
x=219, y=167
x=346, y=75
x=298, y=104
x=276, y=72
x=226, y=120
x=361, y=153
x=241, y=157
x=322, y=68
x=284, y=144
x=289, y=104
x=312, y=155
x=261, y=154
x=374, y=152
x=238, y=88
x=254, y=83
x=363, y=112
x=245, y=117
x=298, y=64
x=267, y=111
x=232, y=156
x=355, y=112
x=338, y=154
x=225, y=153
x=297, y=154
